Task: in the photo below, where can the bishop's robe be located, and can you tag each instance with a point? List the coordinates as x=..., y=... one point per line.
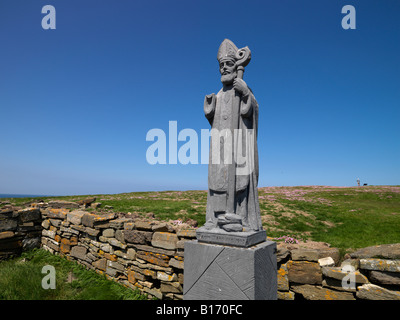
x=218, y=111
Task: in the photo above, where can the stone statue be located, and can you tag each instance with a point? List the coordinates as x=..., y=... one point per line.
x=232, y=200
x=231, y=259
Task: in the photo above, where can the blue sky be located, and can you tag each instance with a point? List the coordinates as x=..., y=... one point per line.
x=77, y=102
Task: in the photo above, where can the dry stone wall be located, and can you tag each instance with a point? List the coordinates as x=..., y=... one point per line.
x=148, y=254
x=20, y=229
x=316, y=273
x=139, y=253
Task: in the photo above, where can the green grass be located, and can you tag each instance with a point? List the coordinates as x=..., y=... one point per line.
x=344, y=217
x=352, y=217
x=21, y=279
x=165, y=205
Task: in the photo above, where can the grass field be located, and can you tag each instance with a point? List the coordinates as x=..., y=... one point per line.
x=21, y=279
x=345, y=217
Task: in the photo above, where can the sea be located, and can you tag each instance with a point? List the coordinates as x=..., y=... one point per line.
x=4, y=195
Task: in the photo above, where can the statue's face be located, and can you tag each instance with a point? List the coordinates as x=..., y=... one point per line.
x=227, y=68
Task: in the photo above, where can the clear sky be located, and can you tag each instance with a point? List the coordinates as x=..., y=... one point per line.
x=77, y=102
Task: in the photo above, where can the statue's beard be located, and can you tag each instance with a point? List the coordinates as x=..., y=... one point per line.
x=227, y=79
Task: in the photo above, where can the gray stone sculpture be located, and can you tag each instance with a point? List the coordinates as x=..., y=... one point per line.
x=230, y=260
x=233, y=212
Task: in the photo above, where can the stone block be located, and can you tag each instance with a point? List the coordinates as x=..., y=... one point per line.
x=155, y=292
x=338, y=273
x=131, y=276
x=172, y=287
x=129, y=226
x=162, y=227
x=380, y=265
x=115, y=265
x=56, y=213
x=97, y=220
x=73, y=230
x=108, y=233
x=303, y=254
x=355, y=263
x=371, y=291
x=384, y=251
x=310, y=292
x=181, y=279
x=181, y=244
x=52, y=244
x=111, y=257
x=95, y=205
x=75, y=217
x=46, y=223
x=62, y=204
x=285, y=295
x=6, y=234
x=73, y=241
x=326, y=262
x=79, y=252
x=100, y=264
x=134, y=276
x=11, y=244
x=65, y=245
x=337, y=285
x=48, y=233
x=187, y=233
x=238, y=239
x=55, y=222
x=164, y=240
x=283, y=280
x=304, y=272
x=217, y=272
x=153, y=258
x=143, y=247
x=29, y=214
x=385, y=278
x=145, y=272
x=282, y=253
x=87, y=202
x=143, y=225
x=114, y=242
x=119, y=223
x=105, y=247
x=111, y=272
x=8, y=225
x=145, y=265
x=8, y=213
x=120, y=236
x=176, y=263
x=137, y=236
x=92, y=232
x=166, y=277
x=88, y=220
x=130, y=254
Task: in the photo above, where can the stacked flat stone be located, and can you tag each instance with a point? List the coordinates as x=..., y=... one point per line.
x=20, y=230
x=137, y=253
x=148, y=254
x=317, y=274
x=381, y=264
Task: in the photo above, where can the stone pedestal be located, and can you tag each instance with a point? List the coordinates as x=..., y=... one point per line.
x=238, y=239
x=220, y=272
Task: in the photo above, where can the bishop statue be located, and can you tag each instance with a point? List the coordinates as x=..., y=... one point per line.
x=232, y=200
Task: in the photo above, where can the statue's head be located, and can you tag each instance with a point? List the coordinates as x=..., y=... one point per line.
x=227, y=68
x=227, y=61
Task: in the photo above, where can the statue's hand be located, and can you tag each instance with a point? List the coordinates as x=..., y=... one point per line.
x=210, y=98
x=240, y=86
